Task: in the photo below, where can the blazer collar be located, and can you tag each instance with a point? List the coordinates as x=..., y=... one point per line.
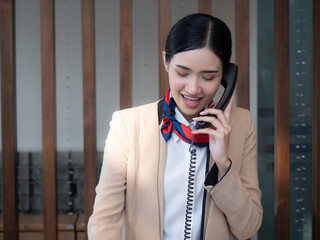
x=161, y=166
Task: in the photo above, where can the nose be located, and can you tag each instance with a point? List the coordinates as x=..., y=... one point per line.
x=192, y=86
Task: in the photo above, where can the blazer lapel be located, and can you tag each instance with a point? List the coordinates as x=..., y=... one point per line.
x=161, y=167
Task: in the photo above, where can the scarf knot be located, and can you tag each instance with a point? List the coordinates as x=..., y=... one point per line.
x=170, y=123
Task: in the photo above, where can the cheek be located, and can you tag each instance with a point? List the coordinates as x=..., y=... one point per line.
x=175, y=83
x=211, y=89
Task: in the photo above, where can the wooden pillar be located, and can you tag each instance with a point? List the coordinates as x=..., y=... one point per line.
x=48, y=118
x=316, y=122
x=125, y=53
x=89, y=107
x=8, y=119
x=164, y=25
x=243, y=52
x=282, y=118
x=204, y=6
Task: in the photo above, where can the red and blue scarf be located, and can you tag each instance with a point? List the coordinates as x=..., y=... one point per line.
x=170, y=123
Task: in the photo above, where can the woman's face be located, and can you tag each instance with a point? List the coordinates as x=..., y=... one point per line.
x=194, y=78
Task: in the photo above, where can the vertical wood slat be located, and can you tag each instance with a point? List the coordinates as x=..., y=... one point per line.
x=204, y=6
x=48, y=118
x=8, y=119
x=282, y=118
x=125, y=53
x=316, y=122
x=243, y=52
x=89, y=106
x=164, y=25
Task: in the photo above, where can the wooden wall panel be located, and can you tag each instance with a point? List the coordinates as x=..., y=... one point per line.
x=243, y=52
x=164, y=26
x=282, y=118
x=48, y=118
x=125, y=53
x=316, y=122
x=89, y=106
x=204, y=6
x=8, y=119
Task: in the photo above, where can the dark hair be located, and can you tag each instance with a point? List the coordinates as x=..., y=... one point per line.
x=199, y=30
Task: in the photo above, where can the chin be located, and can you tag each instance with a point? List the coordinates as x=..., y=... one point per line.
x=190, y=114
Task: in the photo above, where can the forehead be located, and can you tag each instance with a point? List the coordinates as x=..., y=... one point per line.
x=202, y=59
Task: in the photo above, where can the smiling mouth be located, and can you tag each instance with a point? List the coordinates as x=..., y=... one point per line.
x=191, y=99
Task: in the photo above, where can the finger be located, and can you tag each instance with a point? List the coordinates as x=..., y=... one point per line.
x=212, y=132
x=213, y=111
x=208, y=131
x=214, y=122
x=219, y=114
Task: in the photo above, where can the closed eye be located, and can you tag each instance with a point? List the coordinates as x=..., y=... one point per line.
x=182, y=74
x=208, y=78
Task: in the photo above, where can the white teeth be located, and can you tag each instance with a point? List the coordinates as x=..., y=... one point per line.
x=191, y=99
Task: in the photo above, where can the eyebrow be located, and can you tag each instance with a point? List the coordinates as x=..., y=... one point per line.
x=189, y=69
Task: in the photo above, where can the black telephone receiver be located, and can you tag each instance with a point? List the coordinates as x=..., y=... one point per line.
x=228, y=81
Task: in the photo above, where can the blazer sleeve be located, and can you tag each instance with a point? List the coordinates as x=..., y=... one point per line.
x=107, y=219
x=238, y=195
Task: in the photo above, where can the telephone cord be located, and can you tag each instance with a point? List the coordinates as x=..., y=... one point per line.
x=190, y=192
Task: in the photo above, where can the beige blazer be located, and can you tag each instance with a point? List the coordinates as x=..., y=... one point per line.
x=130, y=189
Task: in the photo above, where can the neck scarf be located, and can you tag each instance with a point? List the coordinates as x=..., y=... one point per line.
x=170, y=123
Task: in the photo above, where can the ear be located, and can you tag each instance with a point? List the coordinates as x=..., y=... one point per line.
x=165, y=63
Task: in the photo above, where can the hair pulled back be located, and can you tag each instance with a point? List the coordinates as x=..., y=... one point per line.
x=197, y=31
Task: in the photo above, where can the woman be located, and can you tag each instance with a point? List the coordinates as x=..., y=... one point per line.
x=149, y=187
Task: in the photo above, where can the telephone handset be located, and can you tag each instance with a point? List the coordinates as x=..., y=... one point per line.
x=228, y=81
